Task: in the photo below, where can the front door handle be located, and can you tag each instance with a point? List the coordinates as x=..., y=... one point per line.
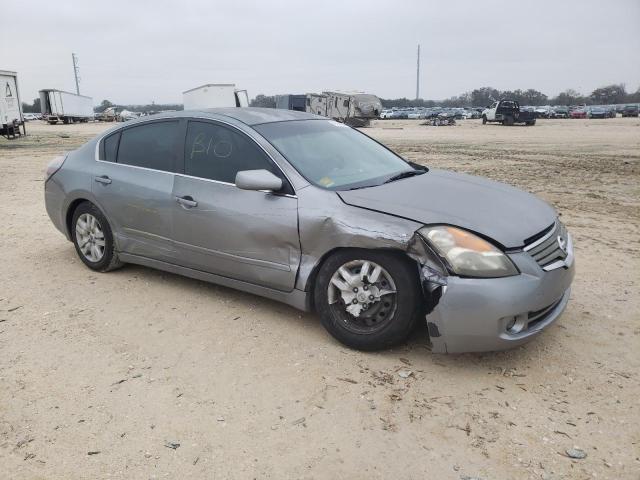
x=187, y=201
x=103, y=180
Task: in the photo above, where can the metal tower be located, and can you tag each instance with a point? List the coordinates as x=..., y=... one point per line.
x=76, y=69
x=418, y=75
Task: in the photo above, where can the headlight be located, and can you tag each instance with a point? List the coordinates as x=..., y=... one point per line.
x=467, y=254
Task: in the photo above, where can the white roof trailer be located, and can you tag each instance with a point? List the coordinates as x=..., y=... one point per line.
x=215, y=95
x=10, y=106
x=57, y=105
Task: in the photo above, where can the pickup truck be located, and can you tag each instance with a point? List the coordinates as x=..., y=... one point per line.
x=507, y=112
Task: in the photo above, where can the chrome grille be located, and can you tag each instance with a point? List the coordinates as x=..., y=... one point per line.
x=551, y=249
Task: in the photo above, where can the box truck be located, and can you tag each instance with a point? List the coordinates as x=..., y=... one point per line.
x=215, y=95
x=11, y=118
x=58, y=106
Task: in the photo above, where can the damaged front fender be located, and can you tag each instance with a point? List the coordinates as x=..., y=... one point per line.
x=329, y=224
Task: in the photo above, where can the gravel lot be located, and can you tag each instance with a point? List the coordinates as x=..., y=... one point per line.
x=143, y=374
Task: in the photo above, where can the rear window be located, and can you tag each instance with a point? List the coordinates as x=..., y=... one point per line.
x=152, y=145
x=110, y=147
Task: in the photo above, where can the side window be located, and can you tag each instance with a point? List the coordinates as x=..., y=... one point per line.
x=218, y=153
x=152, y=145
x=495, y=104
x=345, y=103
x=110, y=147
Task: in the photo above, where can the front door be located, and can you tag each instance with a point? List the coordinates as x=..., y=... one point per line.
x=246, y=235
x=133, y=185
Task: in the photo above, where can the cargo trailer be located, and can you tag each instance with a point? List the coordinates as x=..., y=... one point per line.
x=291, y=102
x=215, y=95
x=11, y=118
x=59, y=106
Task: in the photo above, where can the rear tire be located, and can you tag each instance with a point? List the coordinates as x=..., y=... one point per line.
x=484, y=119
x=93, y=238
x=385, y=321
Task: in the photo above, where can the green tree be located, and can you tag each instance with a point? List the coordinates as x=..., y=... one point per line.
x=609, y=94
x=33, y=108
x=104, y=105
x=568, y=97
x=481, y=97
x=264, y=101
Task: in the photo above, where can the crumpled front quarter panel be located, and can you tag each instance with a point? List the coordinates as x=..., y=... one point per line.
x=327, y=223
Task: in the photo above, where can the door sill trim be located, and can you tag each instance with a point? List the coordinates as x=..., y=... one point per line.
x=296, y=298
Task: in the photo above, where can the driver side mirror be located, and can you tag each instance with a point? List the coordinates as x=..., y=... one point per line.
x=258, y=180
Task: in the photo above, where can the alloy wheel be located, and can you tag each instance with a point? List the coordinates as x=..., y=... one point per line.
x=90, y=237
x=362, y=295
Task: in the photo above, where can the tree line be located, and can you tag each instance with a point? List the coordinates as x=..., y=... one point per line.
x=481, y=97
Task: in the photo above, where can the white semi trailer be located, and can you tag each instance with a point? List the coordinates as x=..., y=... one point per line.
x=58, y=106
x=11, y=118
x=215, y=95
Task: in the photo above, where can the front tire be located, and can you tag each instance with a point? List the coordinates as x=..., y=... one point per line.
x=93, y=238
x=484, y=119
x=368, y=300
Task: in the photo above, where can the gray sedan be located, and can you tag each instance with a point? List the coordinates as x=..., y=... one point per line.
x=313, y=213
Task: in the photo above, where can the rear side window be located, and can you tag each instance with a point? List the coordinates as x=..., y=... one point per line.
x=216, y=152
x=153, y=145
x=110, y=147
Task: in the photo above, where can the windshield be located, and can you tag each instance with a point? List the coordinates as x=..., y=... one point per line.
x=332, y=155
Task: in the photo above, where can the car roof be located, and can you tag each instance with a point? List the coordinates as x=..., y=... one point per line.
x=255, y=116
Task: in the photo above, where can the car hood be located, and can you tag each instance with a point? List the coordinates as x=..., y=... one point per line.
x=495, y=210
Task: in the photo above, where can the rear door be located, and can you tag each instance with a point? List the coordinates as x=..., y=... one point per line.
x=133, y=185
x=246, y=235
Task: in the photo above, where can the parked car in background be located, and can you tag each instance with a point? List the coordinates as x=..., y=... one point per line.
x=611, y=111
x=387, y=113
x=630, y=111
x=578, y=113
x=543, y=111
x=561, y=112
x=311, y=212
x=471, y=113
x=598, y=112
x=28, y=117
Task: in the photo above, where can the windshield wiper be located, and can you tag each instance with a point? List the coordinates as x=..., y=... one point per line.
x=407, y=174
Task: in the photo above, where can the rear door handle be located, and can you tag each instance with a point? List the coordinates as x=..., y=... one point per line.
x=187, y=201
x=103, y=180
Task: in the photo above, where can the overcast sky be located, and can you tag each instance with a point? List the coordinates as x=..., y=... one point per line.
x=142, y=51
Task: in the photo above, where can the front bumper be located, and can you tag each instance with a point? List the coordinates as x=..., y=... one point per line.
x=473, y=314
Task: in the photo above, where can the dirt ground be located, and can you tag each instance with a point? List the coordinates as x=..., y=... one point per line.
x=143, y=374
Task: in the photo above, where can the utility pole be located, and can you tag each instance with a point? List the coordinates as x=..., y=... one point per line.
x=418, y=75
x=76, y=69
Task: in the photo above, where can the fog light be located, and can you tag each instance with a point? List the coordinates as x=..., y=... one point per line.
x=517, y=324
